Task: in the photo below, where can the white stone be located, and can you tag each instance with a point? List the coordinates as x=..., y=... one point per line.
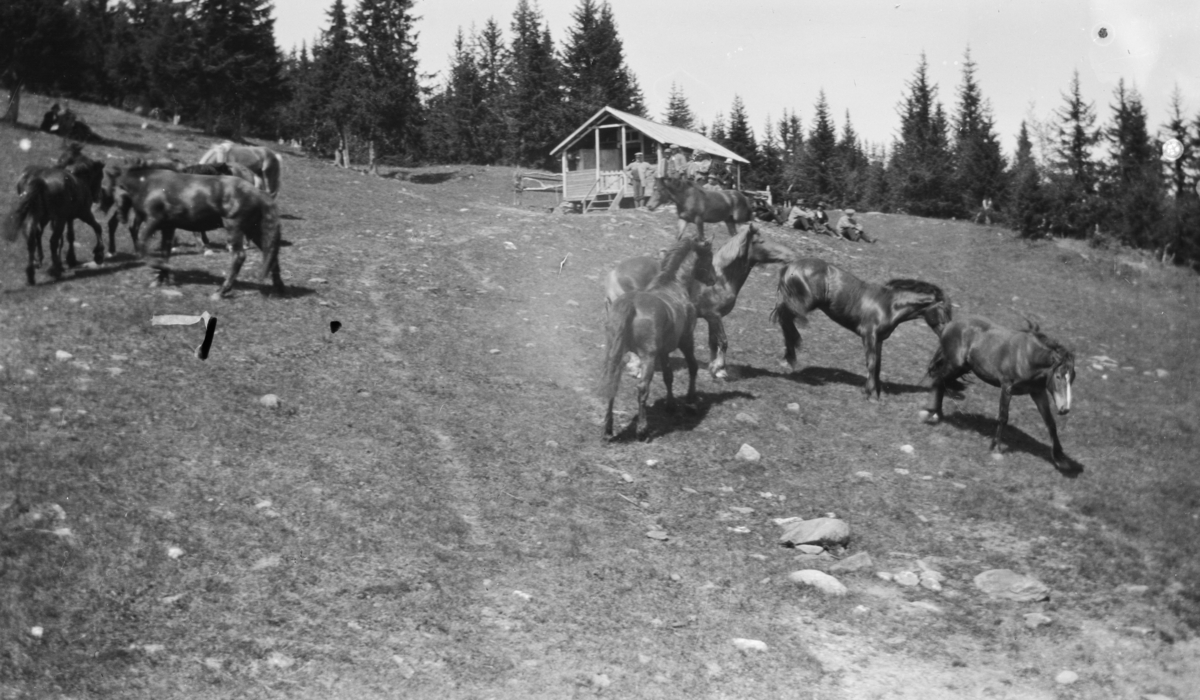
x=1161, y=373
x=820, y=580
x=750, y=644
x=269, y=400
x=746, y=418
x=793, y=407
x=901, y=472
x=823, y=531
x=907, y=578
x=1003, y=583
x=810, y=548
x=748, y=454
x=62, y=355
x=174, y=552
x=907, y=449
x=1066, y=678
x=1035, y=620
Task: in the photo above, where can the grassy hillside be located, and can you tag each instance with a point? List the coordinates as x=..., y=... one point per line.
x=430, y=510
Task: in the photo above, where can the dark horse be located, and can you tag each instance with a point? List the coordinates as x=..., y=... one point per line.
x=731, y=265
x=654, y=323
x=1018, y=362
x=872, y=311
x=168, y=200
x=699, y=206
x=56, y=196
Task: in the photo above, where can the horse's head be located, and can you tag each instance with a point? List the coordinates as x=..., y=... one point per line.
x=703, y=270
x=760, y=251
x=1060, y=378
x=108, y=185
x=939, y=315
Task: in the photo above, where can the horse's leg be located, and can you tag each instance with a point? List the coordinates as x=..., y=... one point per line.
x=608, y=420
x=1005, y=397
x=237, y=241
x=168, y=243
x=668, y=375
x=72, y=261
x=98, y=249
x=643, y=392
x=874, y=347
x=56, y=235
x=732, y=228
x=700, y=229
x=791, y=336
x=718, y=343
x=687, y=345
x=112, y=232
x=33, y=241
x=682, y=225
x=1043, y=404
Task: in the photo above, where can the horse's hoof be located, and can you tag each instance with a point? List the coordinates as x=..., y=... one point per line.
x=997, y=456
x=721, y=374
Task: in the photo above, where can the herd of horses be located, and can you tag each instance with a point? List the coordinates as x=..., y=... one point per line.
x=652, y=309
x=232, y=187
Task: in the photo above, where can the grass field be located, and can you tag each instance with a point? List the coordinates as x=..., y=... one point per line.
x=430, y=511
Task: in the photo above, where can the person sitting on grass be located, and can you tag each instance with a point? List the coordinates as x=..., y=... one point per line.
x=821, y=221
x=849, y=228
x=800, y=217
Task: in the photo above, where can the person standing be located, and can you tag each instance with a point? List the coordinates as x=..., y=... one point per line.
x=639, y=172
x=677, y=163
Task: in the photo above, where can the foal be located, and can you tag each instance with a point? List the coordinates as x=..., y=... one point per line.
x=699, y=206
x=1018, y=362
x=654, y=323
x=871, y=311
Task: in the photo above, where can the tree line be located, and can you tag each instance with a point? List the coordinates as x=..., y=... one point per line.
x=356, y=94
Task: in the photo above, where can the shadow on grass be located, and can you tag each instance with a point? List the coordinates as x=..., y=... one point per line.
x=1014, y=439
x=820, y=376
x=421, y=178
x=664, y=419
x=127, y=145
x=206, y=278
x=291, y=217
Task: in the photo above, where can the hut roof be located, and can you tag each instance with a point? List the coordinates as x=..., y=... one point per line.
x=659, y=132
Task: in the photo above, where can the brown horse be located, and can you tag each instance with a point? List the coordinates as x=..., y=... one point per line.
x=654, y=323
x=732, y=265
x=1018, y=362
x=55, y=196
x=699, y=206
x=168, y=200
x=871, y=311
x=263, y=162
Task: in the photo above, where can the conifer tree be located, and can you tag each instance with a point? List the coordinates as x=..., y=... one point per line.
x=978, y=163
x=717, y=132
x=337, y=79
x=388, y=97
x=791, y=150
x=678, y=112
x=850, y=167
x=921, y=169
x=1074, y=205
x=37, y=37
x=1176, y=128
x=238, y=75
x=768, y=171
x=492, y=58
x=1133, y=185
x=535, y=99
x=594, y=70
x=740, y=138
x=1025, y=202
x=818, y=172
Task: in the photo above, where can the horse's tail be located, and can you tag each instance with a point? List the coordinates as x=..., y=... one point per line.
x=795, y=294
x=939, y=370
x=272, y=172
x=619, y=330
x=33, y=202
x=272, y=237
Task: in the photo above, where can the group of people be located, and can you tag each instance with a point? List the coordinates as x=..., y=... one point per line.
x=702, y=169
x=803, y=218
x=65, y=123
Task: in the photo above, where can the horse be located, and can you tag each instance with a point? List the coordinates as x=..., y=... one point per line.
x=870, y=310
x=56, y=196
x=731, y=266
x=694, y=204
x=124, y=210
x=262, y=161
x=654, y=323
x=91, y=173
x=1018, y=362
x=167, y=200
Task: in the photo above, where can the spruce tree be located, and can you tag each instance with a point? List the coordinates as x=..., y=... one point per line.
x=921, y=170
x=337, y=80
x=1074, y=204
x=388, y=109
x=717, y=132
x=978, y=162
x=740, y=138
x=595, y=74
x=239, y=71
x=492, y=58
x=37, y=37
x=768, y=170
x=818, y=172
x=850, y=184
x=791, y=150
x=678, y=112
x=1133, y=185
x=1176, y=128
x=535, y=114
x=1025, y=202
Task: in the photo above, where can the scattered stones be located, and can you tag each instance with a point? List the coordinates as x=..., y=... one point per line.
x=823, y=531
x=1003, y=583
x=171, y=293
x=1066, y=678
x=62, y=355
x=810, y=548
x=1035, y=620
x=885, y=575
x=854, y=562
x=748, y=645
x=906, y=578
x=269, y=400
x=793, y=407
x=572, y=303
x=1161, y=373
x=494, y=351
x=280, y=660
x=746, y=418
x=174, y=552
x=36, y=632
x=907, y=449
x=741, y=509
x=1135, y=589
x=748, y=454
x=656, y=535
x=901, y=472
x=925, y=606
x=865, y=476
x=819, y=580
x=268, y=562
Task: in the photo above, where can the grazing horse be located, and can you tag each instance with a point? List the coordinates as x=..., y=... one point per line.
x=654, y=323
x=56, y=196
x=731, y=265
x=872, y=311
x=168, y=200
x=263, y=162
x=699, y=206
x=1018, y=362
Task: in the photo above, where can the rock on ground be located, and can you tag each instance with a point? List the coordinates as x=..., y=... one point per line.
x=1003, y=583
x=819, y=580
x=823, y=531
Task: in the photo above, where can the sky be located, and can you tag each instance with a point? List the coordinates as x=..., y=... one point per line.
x=779, y=54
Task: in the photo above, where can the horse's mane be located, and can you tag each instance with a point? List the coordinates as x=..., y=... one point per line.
x=902, y=284
x=1059, y=352
x=673, y=261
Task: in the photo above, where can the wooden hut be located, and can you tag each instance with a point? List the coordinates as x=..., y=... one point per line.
x=594, y=156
